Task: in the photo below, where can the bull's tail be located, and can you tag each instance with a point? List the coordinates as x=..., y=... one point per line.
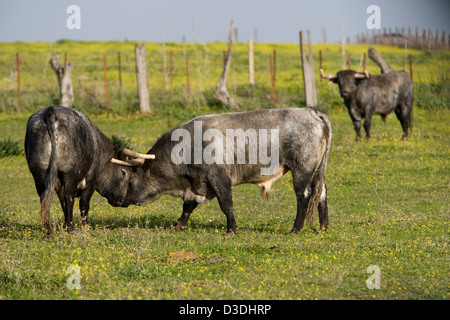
x=52, y=171
x=318, y=177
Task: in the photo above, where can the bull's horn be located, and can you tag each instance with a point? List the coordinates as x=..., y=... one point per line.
x=328, y=76
x=133, y=154
x=362, y=76
x=129, y=163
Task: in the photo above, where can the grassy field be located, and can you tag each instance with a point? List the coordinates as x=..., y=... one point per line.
x=388, y=199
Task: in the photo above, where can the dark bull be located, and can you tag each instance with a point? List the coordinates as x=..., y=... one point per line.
x=68, y=154
x=365, y=95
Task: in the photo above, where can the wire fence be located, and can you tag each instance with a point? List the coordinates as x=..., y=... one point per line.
x=180, y=70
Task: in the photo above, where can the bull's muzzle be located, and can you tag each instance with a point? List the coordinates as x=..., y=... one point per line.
x=117, y=202
x=345, y=94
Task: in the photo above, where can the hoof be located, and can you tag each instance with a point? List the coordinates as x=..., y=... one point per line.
x=179, y=227
x=295, y=230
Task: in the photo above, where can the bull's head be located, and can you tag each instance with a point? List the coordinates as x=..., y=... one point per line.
x=117, y=179
x=347, y=80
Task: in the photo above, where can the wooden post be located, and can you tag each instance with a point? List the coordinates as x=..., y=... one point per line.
x=272, y=78
x=324, y=35
x=410, y=67
x=444, y=40
x=274, y=65
x=251, y=65
x=343, y=39
x=188, y=92
x=223, y=58
x=320, y=62
x=436, y=40
x=171, y=70
x=120, y=69
x=65, y=82
x=106, y=82
x=364, y=61
x=142, y=81
x=416, y=39
x=18, y=81
x=308, y=73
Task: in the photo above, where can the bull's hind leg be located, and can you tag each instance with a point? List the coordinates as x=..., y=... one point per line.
x=220, y=183
x=66, y=196
x=402, y=114
x=303, y=192
x=188, y=207
x=323, y=209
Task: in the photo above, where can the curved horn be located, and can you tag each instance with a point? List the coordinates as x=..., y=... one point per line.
x=328, y=76
x=362, y=76
x=133, y=154
x=129, y=163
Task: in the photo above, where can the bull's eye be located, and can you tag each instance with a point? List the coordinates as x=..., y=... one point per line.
x=132, y=177
x=124, y=173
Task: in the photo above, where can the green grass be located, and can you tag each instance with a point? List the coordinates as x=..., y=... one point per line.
x=388, y=200
x=388, y=207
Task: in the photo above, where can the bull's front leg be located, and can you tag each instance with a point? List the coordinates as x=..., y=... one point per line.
x=85, y=199
x=188, y=207
x=367, y=124
x=356, y=119
x=357, y=126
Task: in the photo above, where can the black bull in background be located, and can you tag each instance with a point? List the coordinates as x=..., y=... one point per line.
x=365, y=95
x=68, y=154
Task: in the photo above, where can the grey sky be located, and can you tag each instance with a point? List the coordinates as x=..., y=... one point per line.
x=275, y=20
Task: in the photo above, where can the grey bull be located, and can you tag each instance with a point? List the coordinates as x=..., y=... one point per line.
x=209, y=155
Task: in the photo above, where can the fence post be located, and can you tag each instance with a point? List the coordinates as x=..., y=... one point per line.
x=364, y=61
x=188, y=91
x=106, y=82
x=324, y=35
x=410, y=67
x=18, y=80
x=320, y=62
x=171, y=70
x=274, y=65
x=308, y=73
x=343, y=39
x=444, y=40
x=251, y=65
x=120, y=69
x=272, y=78
x=142, y=81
